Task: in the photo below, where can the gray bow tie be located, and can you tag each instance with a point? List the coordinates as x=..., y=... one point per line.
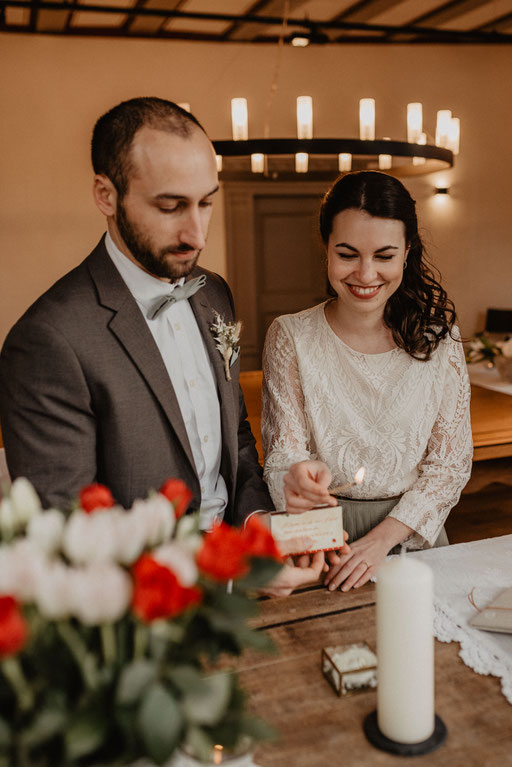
x=178, y=294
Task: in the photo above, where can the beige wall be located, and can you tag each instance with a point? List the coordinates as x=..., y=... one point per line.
x=52, y=90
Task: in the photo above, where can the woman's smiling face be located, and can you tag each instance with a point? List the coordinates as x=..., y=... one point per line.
x=365, y=257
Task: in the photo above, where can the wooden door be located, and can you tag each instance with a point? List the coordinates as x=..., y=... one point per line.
x=276, y=261
x=290, y=260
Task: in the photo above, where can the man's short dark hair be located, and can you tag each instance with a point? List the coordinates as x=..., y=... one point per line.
x=114, y=131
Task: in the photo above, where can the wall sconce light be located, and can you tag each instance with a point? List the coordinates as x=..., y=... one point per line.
x=442, y=190
x=300, y=40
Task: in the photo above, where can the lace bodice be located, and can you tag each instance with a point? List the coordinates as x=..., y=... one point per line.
x=406, y=421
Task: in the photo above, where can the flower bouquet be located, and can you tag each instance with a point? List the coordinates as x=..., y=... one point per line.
x=111, y=621
x=498, y=354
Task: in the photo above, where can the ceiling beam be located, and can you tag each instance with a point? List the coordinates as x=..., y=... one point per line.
x=502, y=22
x=365, y=10
x=151, y=24
x=448, y=11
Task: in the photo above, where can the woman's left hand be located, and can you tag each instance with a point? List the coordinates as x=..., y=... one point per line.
x=366, y=555
x=355, y=569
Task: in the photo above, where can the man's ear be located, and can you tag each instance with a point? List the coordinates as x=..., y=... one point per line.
x=105, y=194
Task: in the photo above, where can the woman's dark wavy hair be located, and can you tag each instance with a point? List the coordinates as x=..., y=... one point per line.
x=419, y=314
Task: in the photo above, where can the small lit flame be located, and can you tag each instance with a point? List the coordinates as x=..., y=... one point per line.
x=359, y=475
x=217, y=754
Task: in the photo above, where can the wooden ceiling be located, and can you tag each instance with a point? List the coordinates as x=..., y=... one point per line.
x=324, y=22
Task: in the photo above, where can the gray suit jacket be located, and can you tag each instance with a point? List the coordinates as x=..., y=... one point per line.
x=85, y=396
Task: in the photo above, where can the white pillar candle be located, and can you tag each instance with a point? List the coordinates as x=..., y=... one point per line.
x=405, y=650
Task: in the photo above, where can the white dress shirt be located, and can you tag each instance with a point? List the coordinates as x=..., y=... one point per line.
x=189, y=367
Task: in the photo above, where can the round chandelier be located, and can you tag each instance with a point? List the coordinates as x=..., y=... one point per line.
x=242, y=158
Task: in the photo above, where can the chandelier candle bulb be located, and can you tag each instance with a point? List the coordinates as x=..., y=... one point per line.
x=304, y=117
x=385, y=160
x=405, y=650
x=344, y=162
x=258, y=163
x=367, y=119
x=444, y=118
x=301, y=162
x=422, y=141
x=414, y=122
x=218, y=158
x=239, y=119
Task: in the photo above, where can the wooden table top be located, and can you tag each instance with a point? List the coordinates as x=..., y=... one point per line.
x=491, y=423
x=318, y=728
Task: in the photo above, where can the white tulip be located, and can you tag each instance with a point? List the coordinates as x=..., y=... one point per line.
x=178, y=559
x=131, y=536
x=53, y=590
x=27, y=564
x=25, y=500
x=7, y=518
x=6, y=571
x=100, y=593
x=158, y=516
x=91, y=537
x=46, y=530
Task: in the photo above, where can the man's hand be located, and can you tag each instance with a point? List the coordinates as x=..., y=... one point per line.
x=306, y=486
x=291, y=577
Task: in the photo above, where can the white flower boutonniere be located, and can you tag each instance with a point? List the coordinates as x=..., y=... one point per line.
x=227, y=337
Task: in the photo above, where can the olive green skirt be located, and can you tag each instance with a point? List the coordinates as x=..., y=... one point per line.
x=360, y=516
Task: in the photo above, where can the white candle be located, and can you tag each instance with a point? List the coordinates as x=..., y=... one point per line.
x=405, y=650
x=304, y=117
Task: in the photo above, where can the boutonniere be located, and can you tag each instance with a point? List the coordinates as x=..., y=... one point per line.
x=226, y=337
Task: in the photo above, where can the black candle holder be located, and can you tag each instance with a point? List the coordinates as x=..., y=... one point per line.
x=377, y=739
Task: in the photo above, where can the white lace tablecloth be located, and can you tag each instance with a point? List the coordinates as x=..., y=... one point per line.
x=483, y=568
x=488, y=378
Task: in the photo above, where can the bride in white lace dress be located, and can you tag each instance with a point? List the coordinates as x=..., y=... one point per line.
x=374, y=377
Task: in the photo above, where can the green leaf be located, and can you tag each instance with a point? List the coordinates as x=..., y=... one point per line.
x=187, y=679
x=169, y=631
x=134, y=680
x=47, y=723
x=256, y=729
x=199, y=744
x=208, y=706
x=160, y=722
x=238, y=605
x=261, y=573
x=86, y=733
x=256, y=640
x=5, y=734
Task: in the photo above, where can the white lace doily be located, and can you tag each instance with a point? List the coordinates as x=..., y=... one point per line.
x=481, y=569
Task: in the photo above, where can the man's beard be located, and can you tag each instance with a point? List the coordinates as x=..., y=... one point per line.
x=141, y=249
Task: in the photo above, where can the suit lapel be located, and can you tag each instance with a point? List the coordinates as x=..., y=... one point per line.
x=132, y=332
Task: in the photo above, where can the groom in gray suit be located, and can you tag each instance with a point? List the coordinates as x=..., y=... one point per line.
x=113, y=375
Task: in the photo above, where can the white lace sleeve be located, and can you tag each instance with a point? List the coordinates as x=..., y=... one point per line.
x=284, y=429
x=446, y=465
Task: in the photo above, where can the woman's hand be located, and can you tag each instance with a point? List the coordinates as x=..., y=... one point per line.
x=355, y=569
x=366, y=555
x=306, y=486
